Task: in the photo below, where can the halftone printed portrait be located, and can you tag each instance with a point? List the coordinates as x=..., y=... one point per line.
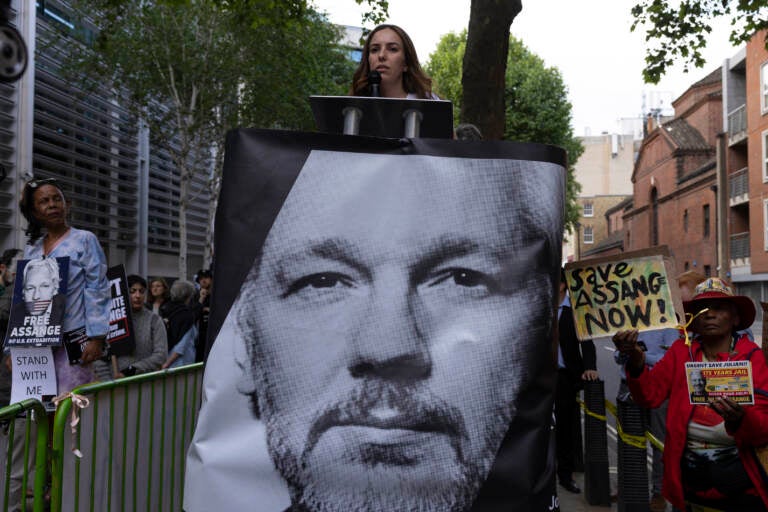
x=388, y=339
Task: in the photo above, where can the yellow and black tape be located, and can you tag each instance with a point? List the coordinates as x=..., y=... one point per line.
x=630, y=439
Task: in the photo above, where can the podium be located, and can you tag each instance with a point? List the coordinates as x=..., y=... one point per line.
x=383, y=117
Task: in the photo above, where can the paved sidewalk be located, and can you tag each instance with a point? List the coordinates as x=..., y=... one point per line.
x=570, y=502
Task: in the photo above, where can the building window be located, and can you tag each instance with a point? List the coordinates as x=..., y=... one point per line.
x=705, y=215
x=588, y=236
x=765, y=156
x=685, y=221
x=764, y=88
x=588, y=210
x=765, y=224
x=708, y=270
x=687, y=266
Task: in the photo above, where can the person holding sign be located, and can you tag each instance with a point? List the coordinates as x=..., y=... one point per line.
x=149, y=334
x=709, y=450
x=49, y=234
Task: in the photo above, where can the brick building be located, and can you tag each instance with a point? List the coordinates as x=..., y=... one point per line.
x=745, y=150
x=674, y=178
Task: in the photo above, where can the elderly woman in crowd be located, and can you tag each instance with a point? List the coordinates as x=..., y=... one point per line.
x=709, y=452
x=180, y=321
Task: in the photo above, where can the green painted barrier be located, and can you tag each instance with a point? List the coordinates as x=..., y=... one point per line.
x=24, y=428
x=132, y=435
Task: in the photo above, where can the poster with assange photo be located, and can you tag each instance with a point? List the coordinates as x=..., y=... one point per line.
x=39, y=299
x=380, y=329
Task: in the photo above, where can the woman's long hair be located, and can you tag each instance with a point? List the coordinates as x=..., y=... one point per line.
x=166, y=292
x=414, y=79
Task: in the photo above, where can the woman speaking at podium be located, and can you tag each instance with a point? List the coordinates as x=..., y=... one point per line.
x=390, y=67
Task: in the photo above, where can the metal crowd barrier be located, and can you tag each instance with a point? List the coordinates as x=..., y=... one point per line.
x=132, y=435
x=632, y=441
x=24, y=447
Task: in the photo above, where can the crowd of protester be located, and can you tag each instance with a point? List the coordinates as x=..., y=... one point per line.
x=709, y=458
x=169, y=322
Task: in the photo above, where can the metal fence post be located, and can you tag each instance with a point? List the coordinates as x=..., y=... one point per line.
x=34, y=436
x=132, y=437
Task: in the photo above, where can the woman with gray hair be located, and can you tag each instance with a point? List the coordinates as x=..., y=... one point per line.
x=180, y=321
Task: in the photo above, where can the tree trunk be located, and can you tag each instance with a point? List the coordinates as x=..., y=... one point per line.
x=214, y=185
x=485, y=64
x=184, y=181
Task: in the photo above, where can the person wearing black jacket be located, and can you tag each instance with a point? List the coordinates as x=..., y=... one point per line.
x=577, y=362
x=180, y=321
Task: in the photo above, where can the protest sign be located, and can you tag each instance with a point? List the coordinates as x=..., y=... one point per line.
x=727, y=379
x=120, y=340
x=382, y=325
x=38, y=304
x=32, y=372
x=627, y=291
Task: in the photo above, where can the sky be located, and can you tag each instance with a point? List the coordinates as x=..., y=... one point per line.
x=589, y=41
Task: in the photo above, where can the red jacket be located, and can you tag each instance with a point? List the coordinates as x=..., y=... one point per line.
x=667, y=379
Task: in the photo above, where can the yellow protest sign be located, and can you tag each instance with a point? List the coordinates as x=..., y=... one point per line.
x=627, y=291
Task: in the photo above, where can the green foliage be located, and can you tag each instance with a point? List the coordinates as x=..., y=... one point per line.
x=185, y=63
x=378, y=13
x=537, y=106
x=193, y=69
x=444, y=66
x=679, y=30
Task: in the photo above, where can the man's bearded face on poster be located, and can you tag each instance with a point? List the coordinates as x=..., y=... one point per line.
x=389, y=320
x=41, y=283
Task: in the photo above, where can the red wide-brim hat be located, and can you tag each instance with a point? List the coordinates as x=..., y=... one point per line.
x=714, y=288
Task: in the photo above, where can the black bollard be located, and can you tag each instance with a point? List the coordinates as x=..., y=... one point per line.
x=632, y=459
x=596, y=480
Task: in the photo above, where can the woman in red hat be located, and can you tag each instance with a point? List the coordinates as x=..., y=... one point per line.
x=709, y=452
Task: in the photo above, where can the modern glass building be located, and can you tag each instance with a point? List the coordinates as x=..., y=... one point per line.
x=122, y=187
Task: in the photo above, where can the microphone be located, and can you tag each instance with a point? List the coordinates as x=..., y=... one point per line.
x=374, y=79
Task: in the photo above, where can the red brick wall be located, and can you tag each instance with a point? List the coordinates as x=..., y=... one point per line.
x=658, y=167
x=757, y=123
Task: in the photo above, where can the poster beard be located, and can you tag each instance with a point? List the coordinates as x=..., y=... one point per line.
x=323, y=477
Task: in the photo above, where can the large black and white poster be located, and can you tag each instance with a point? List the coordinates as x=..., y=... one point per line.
x=382, y=320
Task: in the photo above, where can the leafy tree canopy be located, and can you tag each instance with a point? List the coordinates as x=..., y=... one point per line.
x=678, y=30
x=193, y=69
x=536, y=102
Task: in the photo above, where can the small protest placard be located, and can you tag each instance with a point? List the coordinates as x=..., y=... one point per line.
x=38, y=304
x=74, y=343
x=709, y=380
x=32, y=372
x=627, y=291
x=120, y=340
